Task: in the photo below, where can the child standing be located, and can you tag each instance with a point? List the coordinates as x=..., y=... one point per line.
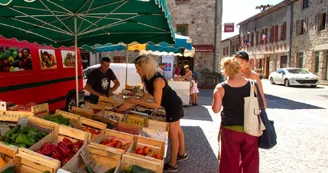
x=194, y=91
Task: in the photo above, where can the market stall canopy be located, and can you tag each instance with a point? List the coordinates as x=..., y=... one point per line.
x=86, y=22
x=98, y=21
x=182, y=47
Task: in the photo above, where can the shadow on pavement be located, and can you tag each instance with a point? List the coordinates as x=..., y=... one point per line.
x=275, y=102
x=197, y=113
x=201, y=156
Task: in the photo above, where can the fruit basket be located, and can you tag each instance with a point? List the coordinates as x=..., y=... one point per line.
x=136, y=120
x=148, y=148
x=115, y=141
x=134, y=163
x=64, y=146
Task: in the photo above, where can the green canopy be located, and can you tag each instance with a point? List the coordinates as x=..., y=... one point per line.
x=51, y=22
x=86, y=22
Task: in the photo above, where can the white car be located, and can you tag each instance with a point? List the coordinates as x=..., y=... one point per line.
x=294, y=77
x=120, y=71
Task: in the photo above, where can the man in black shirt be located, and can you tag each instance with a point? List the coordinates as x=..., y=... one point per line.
x=98, y=83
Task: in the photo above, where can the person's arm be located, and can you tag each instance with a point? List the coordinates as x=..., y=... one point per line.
x=261, y=89
x=158, y=93
x=92, y=91
x=187, y=75
x=217, y=98
x=115, y=81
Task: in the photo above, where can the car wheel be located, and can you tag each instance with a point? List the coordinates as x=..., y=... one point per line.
x=70, y=102
x=271, y=81
x=286, y=83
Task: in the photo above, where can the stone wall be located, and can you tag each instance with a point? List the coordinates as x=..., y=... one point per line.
x=199, y=15
x=313, y=40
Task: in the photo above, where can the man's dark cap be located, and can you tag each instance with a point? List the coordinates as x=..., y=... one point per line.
x=241, y=54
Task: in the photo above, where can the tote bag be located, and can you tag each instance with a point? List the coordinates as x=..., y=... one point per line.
x=253, y=124
x=269, y=136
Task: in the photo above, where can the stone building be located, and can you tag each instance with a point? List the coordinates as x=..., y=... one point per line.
x=266, y=38
x=229, y=46
x=310, y=36
x=195, y=19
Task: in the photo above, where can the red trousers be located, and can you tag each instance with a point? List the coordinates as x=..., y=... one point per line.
x=239, y=152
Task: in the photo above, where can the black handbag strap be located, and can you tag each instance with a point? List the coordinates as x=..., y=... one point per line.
x=259, y=96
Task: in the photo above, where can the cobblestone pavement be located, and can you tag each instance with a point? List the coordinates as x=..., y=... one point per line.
x=301, y=122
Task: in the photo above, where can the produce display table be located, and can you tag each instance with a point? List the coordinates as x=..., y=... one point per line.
x=182, y=88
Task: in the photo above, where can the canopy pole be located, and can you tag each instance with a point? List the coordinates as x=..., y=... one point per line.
x=76, y=64
x=126, y=68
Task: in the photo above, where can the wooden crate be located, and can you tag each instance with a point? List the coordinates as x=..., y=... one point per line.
x=97, y=107
x=8, y=115
x=94, y=124
x=31, y=162
x=155, y=146
x=158, y=135
x=38, y=123
x=113, y=133
x=157, y=125
x=100, y=158
x=129, y=160
x=128, y=128
x=87, y=113
x=10, y=155
x=74, y=119
x=114, y=101
x=73, y=135
x=130, y=118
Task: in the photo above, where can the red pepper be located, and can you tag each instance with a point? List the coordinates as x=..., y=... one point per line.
x=65, y=160
x=48, y=148
x=75, y=147
x=67, y=142
x=80, y=143
x=63, y=149
x=39, y=151
x=93, y=131
x=56, y=155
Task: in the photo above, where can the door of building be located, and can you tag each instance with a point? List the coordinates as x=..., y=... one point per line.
x=267, y=67
x=182, y=61
x=283, y=62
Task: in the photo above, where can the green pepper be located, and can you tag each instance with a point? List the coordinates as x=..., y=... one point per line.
x=12, y=131
x=25, y=139
x=112, y=170
x=10, y=170
x=20, y=145
x=138, y=169
x=88, y=169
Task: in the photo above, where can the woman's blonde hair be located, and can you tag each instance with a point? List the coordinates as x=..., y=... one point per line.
x=148, y=64
x=230, y=66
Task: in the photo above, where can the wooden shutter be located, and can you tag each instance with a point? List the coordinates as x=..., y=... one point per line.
x=276, y=33
x=305, y=25
x=316, y=21
x=272, y=34
x=266, y=34
x=257, y=38
x=283, y=31
x=327, y=20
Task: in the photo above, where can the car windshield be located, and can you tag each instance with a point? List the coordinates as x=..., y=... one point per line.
x=298, y=71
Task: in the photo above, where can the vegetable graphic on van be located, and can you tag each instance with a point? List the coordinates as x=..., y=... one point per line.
x=48, y=59
x=68, y=58
x=13, y=59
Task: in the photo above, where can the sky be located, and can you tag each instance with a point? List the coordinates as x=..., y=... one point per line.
x=235, y=11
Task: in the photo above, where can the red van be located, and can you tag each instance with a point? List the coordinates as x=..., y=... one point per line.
x=33, y=73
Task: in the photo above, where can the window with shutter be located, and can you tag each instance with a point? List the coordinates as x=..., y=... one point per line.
x=327, y=20
x=306, y=3
x=279, y=32
x=284, y=31
x=257, y=38
x=316, y=21
x=304, y=26
x=322, y=21
x=266, y=34
x=276, y=33
x=272, y=34
x=223, y=51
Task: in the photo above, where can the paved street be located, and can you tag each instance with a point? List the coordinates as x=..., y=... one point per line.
x=301, y=122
